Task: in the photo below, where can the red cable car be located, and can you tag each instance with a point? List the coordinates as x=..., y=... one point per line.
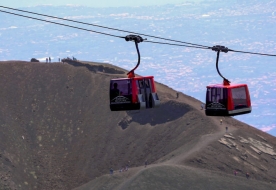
x=226, y=99
x=133, y=93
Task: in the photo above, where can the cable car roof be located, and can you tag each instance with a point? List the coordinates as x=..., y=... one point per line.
x=226, y=86
x=136, y=78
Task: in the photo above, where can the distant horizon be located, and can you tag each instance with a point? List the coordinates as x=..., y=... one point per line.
x=103, y=3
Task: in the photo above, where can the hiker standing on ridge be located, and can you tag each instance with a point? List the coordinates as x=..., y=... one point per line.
x=146, y=163
x=126, y=167
x=247, y=175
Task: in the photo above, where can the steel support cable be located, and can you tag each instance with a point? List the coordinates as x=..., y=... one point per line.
x=178, y=45
x=96, y=31
x=62, y=24
x=104, y=27
x=193, y=45
x=254, y=53
x=265, y=54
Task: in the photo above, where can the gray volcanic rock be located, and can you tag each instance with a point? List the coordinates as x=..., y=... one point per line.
x=57, y=132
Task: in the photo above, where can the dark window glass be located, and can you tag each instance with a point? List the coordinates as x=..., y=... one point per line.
x=147, y=83
x=141, y=83
x=120, y=88
x=239, y=97
x=216, y=95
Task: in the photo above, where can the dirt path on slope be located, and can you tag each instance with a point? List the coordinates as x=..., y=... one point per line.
x=205, y=140
x=201, y=144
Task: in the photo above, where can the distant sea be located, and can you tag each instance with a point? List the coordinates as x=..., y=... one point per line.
x=242, y=25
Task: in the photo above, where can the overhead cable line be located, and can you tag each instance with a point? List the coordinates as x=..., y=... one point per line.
x=106, y=27
x=178, y=45
x=94, y=30
x=62, y=24
x=264, y=54
x=210, y=48
x=191, y=45
x=252, y=53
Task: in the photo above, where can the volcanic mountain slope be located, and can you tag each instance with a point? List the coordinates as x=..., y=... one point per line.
x=57, y=132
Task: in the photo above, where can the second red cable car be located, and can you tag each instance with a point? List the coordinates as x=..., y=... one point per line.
x=226, y=99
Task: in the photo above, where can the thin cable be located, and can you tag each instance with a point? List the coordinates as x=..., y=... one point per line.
x=177, y=45
x=63, y=24
x=265, y=54
x=105, y=27
x=193, y=45
x=99, y=32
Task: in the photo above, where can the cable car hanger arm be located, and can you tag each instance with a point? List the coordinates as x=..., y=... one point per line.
x=218, y=49
x=137, y=39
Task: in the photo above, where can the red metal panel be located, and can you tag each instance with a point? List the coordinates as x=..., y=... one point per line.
x=230, y=103
x=134, y=90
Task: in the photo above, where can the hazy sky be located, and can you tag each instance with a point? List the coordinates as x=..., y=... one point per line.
x=90, y=3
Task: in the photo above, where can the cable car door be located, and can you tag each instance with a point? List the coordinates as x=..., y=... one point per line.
x=145, y=90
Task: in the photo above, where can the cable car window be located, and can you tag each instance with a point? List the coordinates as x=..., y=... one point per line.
x=216, y=95
x=147, y=83
x=120, y=88
x=125, y=87
x=239, y=97
x=209, y=95
x=141, y=83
